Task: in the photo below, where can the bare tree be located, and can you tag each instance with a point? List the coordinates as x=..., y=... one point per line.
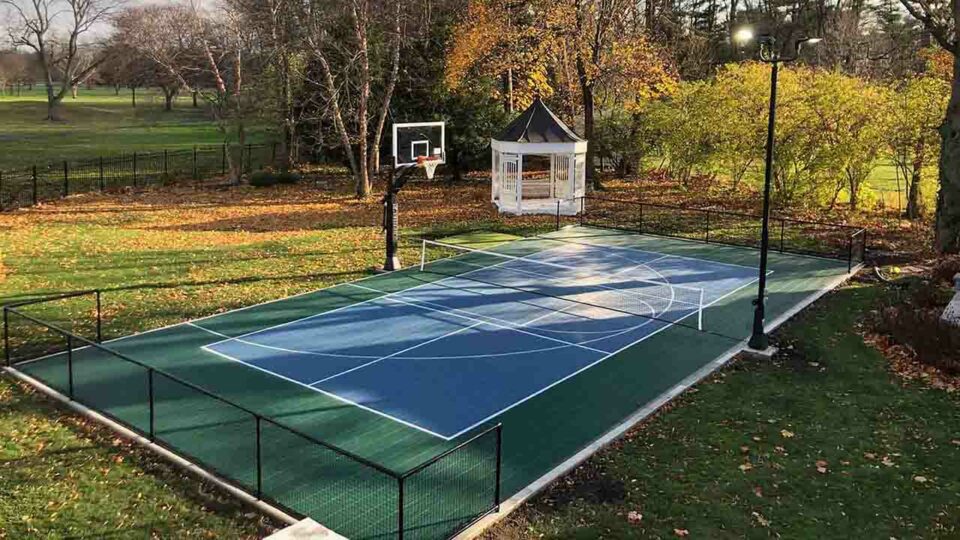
x=190, y=47
x=34, y=24
x=346, y=78
x=942, y=20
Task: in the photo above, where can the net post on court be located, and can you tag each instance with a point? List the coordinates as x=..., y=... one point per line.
x=604, y=295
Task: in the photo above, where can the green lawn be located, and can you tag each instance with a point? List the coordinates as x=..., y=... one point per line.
x=62, y=476
x=822, y=443
x=98, y=122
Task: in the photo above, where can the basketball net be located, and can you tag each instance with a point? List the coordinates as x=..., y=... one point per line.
x=429, y=165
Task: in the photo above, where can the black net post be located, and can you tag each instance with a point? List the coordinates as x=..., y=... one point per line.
x=33, y=180
x=273, y=153
x=400, y=523
x=66, y=178
x=164, y=163
x=583, y=207
x=70, y=366
x=150, y=399
x=558, y=214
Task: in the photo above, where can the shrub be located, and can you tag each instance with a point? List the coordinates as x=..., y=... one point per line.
x=288, y=177
x=946, y=268
x=912, y=318
x=263, y=178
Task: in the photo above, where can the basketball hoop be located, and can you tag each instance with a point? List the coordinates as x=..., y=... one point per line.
x=429, y=165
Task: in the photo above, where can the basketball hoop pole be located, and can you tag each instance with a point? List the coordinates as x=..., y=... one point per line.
x=395, y=182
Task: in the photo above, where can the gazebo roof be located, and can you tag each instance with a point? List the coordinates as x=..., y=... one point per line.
x=538, y=124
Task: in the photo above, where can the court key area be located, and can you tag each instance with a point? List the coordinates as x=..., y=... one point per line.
x=486, y=330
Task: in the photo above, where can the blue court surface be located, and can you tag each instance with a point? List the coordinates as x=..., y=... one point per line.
x=485, y=332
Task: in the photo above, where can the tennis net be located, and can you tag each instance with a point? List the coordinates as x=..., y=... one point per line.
x=620, y=292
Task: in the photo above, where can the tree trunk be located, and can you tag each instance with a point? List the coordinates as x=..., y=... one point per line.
x=388, y=91
x=194, y=99
x=948, y=200
x=133, y=96
x=168, y=96
x=914, y=190
x=360, y=18
x=116, y=89
x=73, y=91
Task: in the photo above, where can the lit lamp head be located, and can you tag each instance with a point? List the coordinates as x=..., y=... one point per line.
x=743, y=35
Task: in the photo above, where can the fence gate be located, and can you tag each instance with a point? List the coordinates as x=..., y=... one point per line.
x=511, y=182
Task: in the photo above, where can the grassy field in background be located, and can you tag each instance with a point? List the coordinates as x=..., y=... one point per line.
x=97, y=123
x=824, y=442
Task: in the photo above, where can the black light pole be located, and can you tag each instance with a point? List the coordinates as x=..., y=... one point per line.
x=769, y=53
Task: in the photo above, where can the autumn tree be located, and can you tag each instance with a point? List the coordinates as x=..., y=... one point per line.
x=580, y=48
x=918, y=108
x=942, y=21
x=53, y=30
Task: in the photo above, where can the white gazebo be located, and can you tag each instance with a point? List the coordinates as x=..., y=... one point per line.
x=538, y=132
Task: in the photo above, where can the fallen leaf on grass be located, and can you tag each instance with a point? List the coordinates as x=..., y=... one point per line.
x=920, y=479
x=760, y=519
x=786, y=434
x=634, y=517
x=821, y=466
x=681, y=532
x=744, y=467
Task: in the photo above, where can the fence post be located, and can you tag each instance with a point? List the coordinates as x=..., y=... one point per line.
x=194, y=162
x=708, y=227
x=34, y=179
x=273, y=153
x=259, y=462
x=164, y=163
x=782, y=226
x=101, y=174
x=849, y=254
x=153, y=437
x=496, y=493
x=400, y=523
x=6, y=336
x=70, y=365
x=134, y=169
x=223, y=159
x=99, y=319
x=66, y=179
x=558, y=214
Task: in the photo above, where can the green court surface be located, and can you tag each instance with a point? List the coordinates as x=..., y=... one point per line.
x=356, y=500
